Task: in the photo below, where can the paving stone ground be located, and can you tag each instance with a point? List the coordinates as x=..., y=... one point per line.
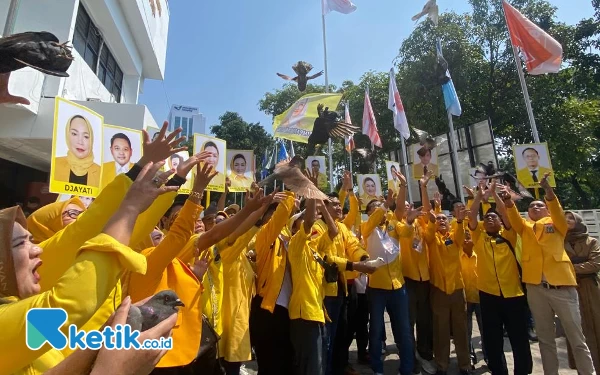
x=391, y=362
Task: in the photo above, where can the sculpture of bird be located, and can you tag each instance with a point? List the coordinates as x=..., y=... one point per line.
x=38, y=50
x=302, y=68
x=290, y=173
x=158, y=308
x=328, y=125
x=431, y=10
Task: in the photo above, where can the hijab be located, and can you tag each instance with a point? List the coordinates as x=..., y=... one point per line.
x=579, y=232
x=46, y=221
x=8, y=276
x=79, y=166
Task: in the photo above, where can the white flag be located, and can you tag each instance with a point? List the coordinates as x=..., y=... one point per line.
x=342, y=6
x=395, y=105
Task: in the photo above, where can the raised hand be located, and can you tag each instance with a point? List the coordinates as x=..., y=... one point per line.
x=258, y=200
x=544, y=183
x=148, y=186
x=425, y=179
x=461, y=215
x=469, y=191
x=184, y=168
x=389, y=200
x=201, y=264
x=437, y=199
x=312, y=176
x=162, y=147
x=279, y=197
x=431, y=216
x=204, y=174
x=347, y=182
x=413, y=213
x=400, y=177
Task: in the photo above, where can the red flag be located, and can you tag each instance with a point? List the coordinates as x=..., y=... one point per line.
x=369, y=124
x=395, y=105
x=542, y=53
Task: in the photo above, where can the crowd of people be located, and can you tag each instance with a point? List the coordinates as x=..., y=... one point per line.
x=292, y=282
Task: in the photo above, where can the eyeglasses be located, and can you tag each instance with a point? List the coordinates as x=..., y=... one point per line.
x=73, y=214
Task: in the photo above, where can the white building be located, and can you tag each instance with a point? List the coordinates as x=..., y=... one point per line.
x=188, y=118
x=117, y=45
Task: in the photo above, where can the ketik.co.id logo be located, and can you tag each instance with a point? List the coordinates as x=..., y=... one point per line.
x=44, y=324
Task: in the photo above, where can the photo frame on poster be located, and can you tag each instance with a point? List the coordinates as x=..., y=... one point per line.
x=317, y=163
x=369, y=188
x=240, y=169
x=218, y=148
x=423, y=158
x=121, y=149
x=76, y=150
x=173, y=162
x=532, y=161
x=393, y=182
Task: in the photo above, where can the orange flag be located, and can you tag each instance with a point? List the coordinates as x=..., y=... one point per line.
x=542, y=53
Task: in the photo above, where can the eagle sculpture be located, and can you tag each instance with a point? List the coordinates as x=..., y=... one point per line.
x=290, y=173
x=328, y=125
x=302, y=68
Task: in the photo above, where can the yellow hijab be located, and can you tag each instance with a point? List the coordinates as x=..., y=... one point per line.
x=8, y=217
x=46, y=221
x=79, y=166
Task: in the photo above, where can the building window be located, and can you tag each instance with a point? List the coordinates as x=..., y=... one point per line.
x=185, y=125
x=177, y=122
x=191, y=126
x=90, y=45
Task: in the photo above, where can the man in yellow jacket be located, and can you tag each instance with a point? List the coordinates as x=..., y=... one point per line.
x=533, y=172
x=550, y=278
x=120, y=149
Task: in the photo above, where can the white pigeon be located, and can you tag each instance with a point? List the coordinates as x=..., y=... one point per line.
x=431, y=10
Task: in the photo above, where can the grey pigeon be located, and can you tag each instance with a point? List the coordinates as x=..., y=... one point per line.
x=158, y=308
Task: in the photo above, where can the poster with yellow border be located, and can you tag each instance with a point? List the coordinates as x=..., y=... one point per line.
x=316, y=164
x=369, y=188
x=240, y=169
x=218, y=149
x=173, y=162
x=393, y=182
x=76, y=150
x=532, y=161
x=121, y=149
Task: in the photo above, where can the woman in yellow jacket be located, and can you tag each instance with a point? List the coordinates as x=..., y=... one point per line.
x=46, y=221
x=83, y=287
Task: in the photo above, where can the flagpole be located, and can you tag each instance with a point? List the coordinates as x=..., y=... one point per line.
x=455, y=157
x=405, y=164
x=536, y=137
x=329, y=143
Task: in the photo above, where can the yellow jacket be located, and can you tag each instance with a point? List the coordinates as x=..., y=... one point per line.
x=165, y=271
x=350, y=219
x=468, y=265
x=544, y=247
x=271, y=256
x=526, y=178
x=343, y=248
x=80, y=291
x=212, y=284
x=413, y=249
x=444, y=258
x=307, y=280
x=497, y=268
x=62, y=172
x=109, y=172
x=238, y=290
x=47, y=220
x=389, y=276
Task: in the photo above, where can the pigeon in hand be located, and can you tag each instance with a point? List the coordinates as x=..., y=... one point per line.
x=158, y=308
x=511, y=181
x=328, y=125
x=302, y=68
x=290, y=172
x=431, y=10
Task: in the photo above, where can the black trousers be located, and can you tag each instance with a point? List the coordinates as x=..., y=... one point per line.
x=420, y=315
x=310, y=347
x=270, y=336
x=498, y=313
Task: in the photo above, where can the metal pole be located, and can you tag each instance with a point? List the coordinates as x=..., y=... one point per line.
x=11, y=17
x=536, y=137
x=459, y=186
x=329, y=143
x=405, y=164
x=350, y=156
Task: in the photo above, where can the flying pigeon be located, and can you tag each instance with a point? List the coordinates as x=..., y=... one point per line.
x=426, y=142
x=431, y=10
x=290, y=172
x=38, y=50
x=447, y=196
x=369, y=155
x=328, y=125
x=302, y=68
x=512, y=183
x=158, y=308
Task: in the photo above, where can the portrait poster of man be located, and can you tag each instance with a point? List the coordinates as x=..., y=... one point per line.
x=391, y=168
x=76, y=150
x=532, y=161
x=122, y=148
x=369, y=188
x=424, y=160
x=218, y=150
x=240, y=169
x=173, y=162
x=316, y=164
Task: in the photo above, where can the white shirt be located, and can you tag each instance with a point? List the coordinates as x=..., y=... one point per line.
x=121, y=169
x=283, y=299
x=381, y=245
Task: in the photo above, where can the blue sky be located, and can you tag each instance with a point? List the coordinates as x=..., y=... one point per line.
x=223, y=55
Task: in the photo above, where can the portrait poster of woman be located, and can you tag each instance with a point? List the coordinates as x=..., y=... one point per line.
x=240, y=169
x=121, y=149
x=393, y=183
x=76, y=150
x=217, y=147
x=369, y=188
x=173, y=162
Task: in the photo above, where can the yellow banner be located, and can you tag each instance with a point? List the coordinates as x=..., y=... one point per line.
x=296, y=124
